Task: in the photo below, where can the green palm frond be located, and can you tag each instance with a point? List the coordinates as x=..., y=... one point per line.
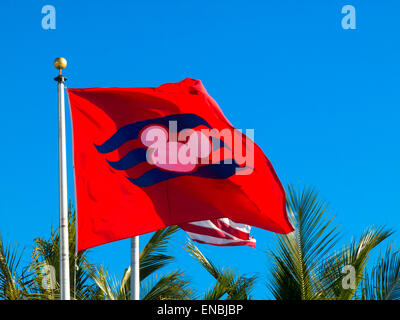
x=230, y=286
x=172, y=286
x=296, y=255
x=46, y=252
x=228, y=283
x=384, y=281
x=216, y=292
x=109, y=288
x=16, y=282
x=9, y=262
x=356, y=256
x=153, y=256
x=124, y=288
x=206, y=263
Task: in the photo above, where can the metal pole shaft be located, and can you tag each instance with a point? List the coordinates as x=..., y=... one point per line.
x=135, y=280
x=62, y=170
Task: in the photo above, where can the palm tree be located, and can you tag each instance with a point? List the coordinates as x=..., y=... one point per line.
x=383, y=283
x=304, y=268
x=40, y=278
x=14, y=283
x=88, y=282
x=172, y=285
x=46, y=252
x=304, y=265
x=229, y=284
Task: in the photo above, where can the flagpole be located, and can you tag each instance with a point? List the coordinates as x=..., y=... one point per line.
x=135, y=280
x=60, y=64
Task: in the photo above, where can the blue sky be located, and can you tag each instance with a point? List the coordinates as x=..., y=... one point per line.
x=324, y=101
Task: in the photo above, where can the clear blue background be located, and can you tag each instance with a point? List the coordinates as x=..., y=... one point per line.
x=324, y=102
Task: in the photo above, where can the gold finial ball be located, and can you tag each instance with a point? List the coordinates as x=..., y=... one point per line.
x=60, y=63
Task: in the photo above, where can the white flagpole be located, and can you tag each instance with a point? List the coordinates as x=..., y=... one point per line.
x=135, y=280
x=61, y=63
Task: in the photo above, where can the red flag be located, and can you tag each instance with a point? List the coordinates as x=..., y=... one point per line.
x=147, y=158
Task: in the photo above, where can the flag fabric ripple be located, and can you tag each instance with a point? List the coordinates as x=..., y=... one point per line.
x=220, y=232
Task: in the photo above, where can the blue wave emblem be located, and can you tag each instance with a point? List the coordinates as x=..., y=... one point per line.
x=131, y=131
